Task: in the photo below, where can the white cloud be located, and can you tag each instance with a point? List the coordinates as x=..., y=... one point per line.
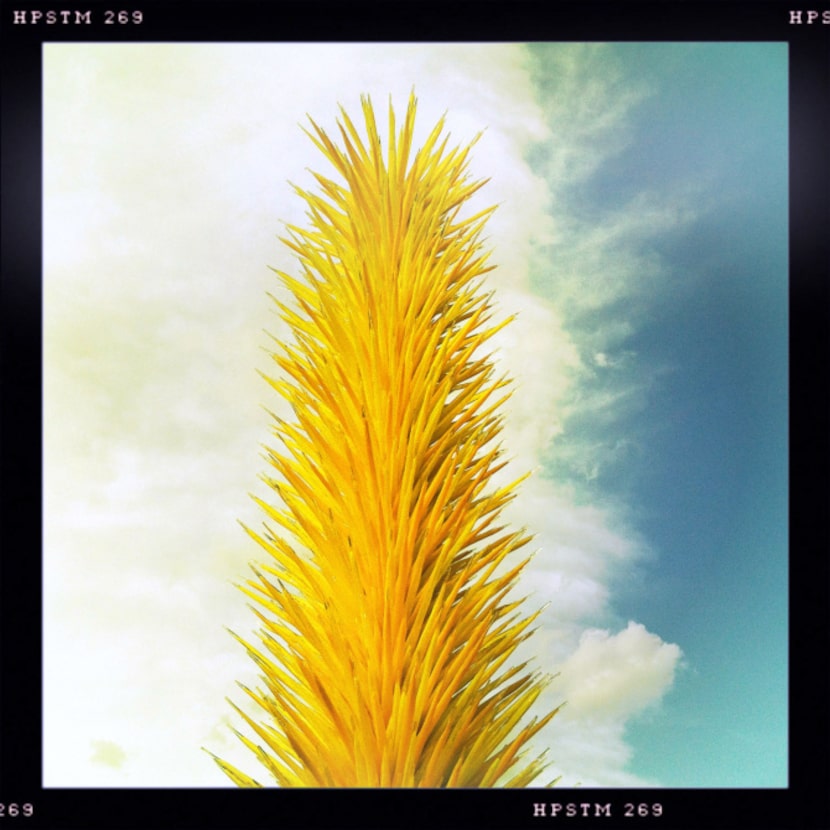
x=611, y=677
x=165, y=182
x=605, y=682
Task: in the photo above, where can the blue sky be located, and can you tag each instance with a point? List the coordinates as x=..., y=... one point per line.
x=641, y=238
x=708, y=483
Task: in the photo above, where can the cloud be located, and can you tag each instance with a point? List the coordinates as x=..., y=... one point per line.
x=606, y=682
x=612, y=677
x=166, y=186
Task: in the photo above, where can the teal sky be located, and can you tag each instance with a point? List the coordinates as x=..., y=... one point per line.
x=707, y=482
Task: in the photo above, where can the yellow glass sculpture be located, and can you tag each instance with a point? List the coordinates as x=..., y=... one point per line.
x=387, y=627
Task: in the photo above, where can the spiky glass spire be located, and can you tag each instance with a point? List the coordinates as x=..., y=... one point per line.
x=387, y=628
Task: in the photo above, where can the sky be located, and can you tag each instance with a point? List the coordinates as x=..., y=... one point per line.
x=641, y=238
